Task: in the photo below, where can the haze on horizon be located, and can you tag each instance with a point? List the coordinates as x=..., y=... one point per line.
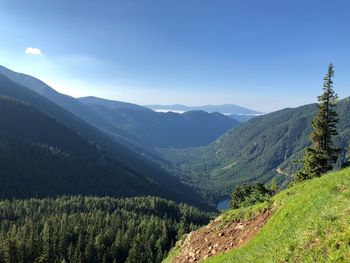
x=258, y=54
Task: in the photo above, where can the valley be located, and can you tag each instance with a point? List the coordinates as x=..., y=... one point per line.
x=174, y=131
x=91, y=157
x=262, y=149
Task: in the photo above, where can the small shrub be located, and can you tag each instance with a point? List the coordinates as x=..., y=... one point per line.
x=247, y=195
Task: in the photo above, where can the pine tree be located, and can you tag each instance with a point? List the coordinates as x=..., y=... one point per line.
x=321, y=156
x=10, y=250
x=47, y=249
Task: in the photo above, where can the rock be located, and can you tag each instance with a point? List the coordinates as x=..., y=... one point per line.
x=191, y=254
x=221, y=234
x=239, y=226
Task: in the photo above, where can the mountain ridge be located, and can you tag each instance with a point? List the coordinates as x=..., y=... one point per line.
x=117, y=152
x=222, y=108
x=135, y=126
x=258, y=150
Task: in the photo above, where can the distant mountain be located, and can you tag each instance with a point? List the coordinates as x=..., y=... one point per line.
x=135, y=126
x=74, y=156
x=111, y=104
x=242, y=117
x=259, y=150
x=227, y=109
x=155, y=129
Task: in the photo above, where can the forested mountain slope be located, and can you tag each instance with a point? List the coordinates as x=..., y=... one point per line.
x=259, y=150
x=42, y=157
x=133, y=124
x=98, y=159
x=67, y=102
x=158, y=129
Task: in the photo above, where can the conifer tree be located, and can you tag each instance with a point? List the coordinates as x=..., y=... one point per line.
x=321, y=156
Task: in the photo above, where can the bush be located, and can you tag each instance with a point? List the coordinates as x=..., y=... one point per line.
x=247, y=195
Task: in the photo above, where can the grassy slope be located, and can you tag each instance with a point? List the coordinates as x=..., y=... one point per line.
x=172, y=255
x=311, y=223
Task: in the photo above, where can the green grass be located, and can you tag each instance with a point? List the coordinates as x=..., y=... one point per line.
x=310, y=223
x=245, y=213
x=172, y=254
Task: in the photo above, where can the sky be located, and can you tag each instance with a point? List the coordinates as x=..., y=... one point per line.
x=261, y=54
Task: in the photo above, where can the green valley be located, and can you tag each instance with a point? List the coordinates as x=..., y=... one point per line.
x=264, y=148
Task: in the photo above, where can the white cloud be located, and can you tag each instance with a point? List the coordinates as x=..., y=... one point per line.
x=33, y=51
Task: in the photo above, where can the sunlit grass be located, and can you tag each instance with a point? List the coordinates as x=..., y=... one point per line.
x=310, y=223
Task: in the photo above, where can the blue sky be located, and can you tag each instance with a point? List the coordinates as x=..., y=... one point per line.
x=265, y=55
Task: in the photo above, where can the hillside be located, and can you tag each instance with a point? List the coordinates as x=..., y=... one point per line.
x=124, y=173
x=259, y=150
x=67, y=102
x=133, y=124
x=92, y=229
x=41, y=157
x=309, y=222
x=158, y=129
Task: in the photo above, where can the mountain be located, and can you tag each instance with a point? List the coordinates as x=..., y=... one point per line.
x=156, y=129
x=135, y=126
x=66, y=102
x=227, y=109
x=259, y=150
x=235, y=112
x=242, y=117
x=307, y=222
x=111, y=104
x=84, y=159
x=42, y=157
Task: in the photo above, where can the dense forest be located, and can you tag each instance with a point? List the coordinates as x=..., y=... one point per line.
x=92, y=229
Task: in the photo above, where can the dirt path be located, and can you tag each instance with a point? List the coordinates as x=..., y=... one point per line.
x=213, y=239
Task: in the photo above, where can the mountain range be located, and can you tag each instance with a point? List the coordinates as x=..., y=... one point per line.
x=47, y=151
x=134, y=124
x=227, y=109
x=264, y=148
x=205, y=151
x=159, y=129
x=235, y=112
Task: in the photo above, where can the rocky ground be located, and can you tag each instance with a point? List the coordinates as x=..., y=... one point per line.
x=215, y=238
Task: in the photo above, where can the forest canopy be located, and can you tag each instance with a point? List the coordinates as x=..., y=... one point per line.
x=93, y=229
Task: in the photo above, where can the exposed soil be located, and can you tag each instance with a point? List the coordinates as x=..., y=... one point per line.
x=214, y=239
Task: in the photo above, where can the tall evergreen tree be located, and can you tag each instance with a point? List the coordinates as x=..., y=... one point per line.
x=321, y=156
